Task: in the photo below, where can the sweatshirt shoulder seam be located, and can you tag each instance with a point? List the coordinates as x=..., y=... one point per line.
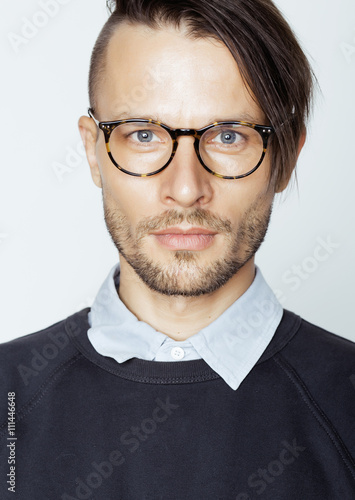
x=317, y=412
x=42, y=390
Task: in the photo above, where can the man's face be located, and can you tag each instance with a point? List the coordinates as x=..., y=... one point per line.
x=183, y=83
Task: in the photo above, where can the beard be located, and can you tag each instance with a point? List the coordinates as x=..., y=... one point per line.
x=185, y=274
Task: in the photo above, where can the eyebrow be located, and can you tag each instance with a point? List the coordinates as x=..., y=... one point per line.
x=243, y=117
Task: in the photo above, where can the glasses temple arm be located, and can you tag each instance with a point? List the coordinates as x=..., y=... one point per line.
x=90, y=112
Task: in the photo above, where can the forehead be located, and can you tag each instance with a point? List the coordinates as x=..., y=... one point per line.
x=167, y=74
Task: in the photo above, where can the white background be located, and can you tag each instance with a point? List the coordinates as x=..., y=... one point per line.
x=54, y=247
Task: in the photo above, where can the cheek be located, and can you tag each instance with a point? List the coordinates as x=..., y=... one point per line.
x=130, y=196
x=258, y=187
x=262, y=174
x=123, y=190
x=250, y=193
x=266, y=169
x=108, y=170
x=241, y=193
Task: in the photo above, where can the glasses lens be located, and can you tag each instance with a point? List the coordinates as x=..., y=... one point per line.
x=140, y=148
x=231, y=150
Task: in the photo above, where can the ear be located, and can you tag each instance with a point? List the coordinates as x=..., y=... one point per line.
x=88, y=132
x=299, y=149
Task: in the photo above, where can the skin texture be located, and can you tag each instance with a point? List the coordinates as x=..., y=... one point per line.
x=185, y=83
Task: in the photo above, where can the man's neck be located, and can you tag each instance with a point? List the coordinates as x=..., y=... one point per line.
x=176, y=316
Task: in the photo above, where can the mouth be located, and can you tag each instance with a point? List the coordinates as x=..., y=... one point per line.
x=178, y=238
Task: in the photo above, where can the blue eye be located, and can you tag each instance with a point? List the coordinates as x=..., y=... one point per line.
x=228, y=137
x=144, y=135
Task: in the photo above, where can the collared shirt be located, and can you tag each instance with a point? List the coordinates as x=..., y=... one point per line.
x=231, y=344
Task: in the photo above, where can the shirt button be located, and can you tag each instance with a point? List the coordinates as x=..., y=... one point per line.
x=177, y=353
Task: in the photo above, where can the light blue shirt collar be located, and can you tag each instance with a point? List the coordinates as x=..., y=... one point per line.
x=231, y=345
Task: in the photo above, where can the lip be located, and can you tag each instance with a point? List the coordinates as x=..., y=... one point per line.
x=177, y=238
x=181, y=230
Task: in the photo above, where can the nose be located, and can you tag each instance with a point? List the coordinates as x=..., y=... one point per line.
x=185, y=182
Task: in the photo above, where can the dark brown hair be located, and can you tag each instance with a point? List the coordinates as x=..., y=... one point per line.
x=263, y=45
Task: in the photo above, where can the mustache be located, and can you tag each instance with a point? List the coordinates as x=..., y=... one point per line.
x=196, y=217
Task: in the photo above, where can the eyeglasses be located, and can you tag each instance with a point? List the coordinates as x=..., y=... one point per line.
x=229, y=150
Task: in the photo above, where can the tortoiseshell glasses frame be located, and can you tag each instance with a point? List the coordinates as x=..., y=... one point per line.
x=108, y=126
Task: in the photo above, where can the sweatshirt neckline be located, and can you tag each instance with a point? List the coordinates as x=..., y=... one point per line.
x=165, y=372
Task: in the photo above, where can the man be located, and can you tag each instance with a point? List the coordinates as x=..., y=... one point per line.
x=186, y=379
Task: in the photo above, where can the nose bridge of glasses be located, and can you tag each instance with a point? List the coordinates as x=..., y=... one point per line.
x=186, y=132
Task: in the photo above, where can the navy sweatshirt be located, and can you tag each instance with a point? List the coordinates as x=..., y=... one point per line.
x=78, y=425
